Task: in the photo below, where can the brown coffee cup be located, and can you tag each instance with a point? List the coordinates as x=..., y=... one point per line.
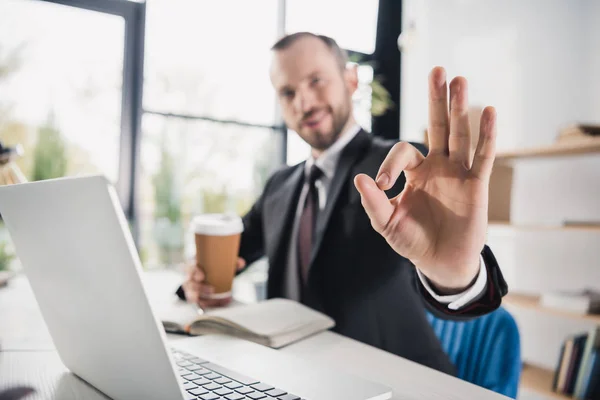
x=217, y=246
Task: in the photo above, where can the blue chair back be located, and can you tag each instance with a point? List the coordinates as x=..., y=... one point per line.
x=486, y=351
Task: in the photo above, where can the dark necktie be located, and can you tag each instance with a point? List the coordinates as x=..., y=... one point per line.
x=308, y=221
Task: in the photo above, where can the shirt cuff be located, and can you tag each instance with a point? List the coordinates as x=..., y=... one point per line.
x=457, y=301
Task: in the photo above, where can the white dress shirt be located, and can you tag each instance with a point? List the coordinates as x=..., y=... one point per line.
x=327, y=163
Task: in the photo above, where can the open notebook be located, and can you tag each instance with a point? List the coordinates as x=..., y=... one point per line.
x=274, y=323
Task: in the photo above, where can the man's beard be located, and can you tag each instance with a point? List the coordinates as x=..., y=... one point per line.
x=323, y=140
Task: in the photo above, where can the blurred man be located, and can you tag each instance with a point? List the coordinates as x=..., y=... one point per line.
x=334, y=239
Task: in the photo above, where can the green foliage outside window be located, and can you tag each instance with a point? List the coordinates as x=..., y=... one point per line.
x=6, y=256
x=50, y=155
x=168, y=228
x=168, y=204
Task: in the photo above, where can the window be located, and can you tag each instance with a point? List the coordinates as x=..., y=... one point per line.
x=210, y=133
x=362, y=97
x=208, y=137
x=211, y=58
x=60, y=93
x=191, y=167
x=355, y=24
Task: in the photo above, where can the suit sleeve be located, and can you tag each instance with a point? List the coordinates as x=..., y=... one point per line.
x=252, y=245
x=489, y=301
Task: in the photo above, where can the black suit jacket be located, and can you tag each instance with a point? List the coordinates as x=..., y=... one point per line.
x=371, y=292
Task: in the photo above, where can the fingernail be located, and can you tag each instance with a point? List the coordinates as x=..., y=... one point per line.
x=383, y=179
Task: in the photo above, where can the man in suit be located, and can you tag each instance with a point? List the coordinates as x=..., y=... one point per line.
x=337, y=242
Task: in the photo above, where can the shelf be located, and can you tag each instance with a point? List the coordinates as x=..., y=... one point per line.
x=584, y=146
x=533, y=303
x=539, y=380
x=508, y=225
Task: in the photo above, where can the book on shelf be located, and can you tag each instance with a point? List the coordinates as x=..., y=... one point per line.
x=577, y=372
x=591, y=379
x=574, y=363
x=564, y=366
x=274, y=323
x=587, y=368
x=580, y=302
x=558, y=368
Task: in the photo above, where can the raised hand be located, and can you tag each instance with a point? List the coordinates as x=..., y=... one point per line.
x=439, y=220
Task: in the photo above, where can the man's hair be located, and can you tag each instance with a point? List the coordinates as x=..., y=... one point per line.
x=341, y=56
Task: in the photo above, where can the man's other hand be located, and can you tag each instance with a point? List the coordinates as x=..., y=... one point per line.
x=197, y=291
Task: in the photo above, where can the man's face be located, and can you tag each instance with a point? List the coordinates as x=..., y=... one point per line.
x=315, y=94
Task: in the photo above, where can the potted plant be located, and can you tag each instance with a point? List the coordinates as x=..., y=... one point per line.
x=6, y=258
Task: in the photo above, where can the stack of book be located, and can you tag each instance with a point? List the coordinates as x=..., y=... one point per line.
x=581, y=302
x=578, y=371
x=578, y=132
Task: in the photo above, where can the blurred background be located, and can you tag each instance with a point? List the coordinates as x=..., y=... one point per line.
x=171, y=101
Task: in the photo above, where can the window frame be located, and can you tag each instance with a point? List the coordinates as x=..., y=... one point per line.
x=134, y=15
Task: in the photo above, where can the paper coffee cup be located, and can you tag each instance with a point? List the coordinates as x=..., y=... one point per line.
x=217, y=239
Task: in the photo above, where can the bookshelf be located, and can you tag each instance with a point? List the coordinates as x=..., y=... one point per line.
x=532, y=302
x=566, y=228
x=536, y=379
x=567, y=148
x=539, y=380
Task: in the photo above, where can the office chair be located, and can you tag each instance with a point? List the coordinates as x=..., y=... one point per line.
x=486, y=351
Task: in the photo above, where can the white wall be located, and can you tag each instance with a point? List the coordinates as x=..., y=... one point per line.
x=524, y=57
x=592, y=33
x=538, y=63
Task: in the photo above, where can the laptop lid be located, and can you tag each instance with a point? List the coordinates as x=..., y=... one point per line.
x=76, y=249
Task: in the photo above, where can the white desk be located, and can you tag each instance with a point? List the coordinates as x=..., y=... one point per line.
x=27, y=355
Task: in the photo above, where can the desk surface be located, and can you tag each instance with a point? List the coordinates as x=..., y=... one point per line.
x=27, y=355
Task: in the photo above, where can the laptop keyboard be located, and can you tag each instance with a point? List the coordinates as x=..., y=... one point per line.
x=203, y=380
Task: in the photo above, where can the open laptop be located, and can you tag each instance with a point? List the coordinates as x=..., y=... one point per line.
x=76, y=249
